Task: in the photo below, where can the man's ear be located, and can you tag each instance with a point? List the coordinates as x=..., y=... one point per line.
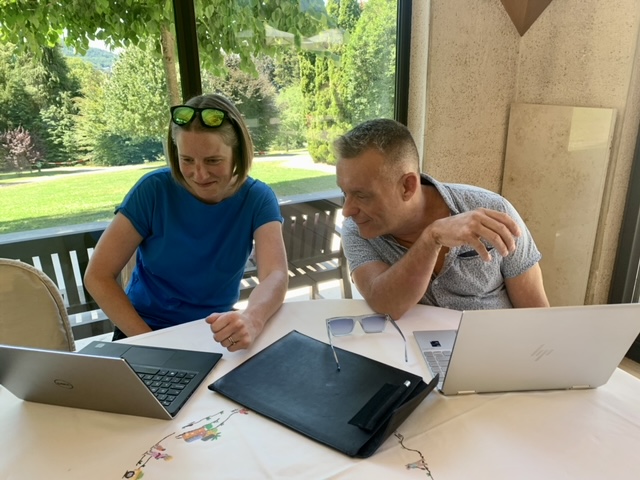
x=410, y=184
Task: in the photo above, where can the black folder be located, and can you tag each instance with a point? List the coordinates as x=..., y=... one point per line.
x=295, y=382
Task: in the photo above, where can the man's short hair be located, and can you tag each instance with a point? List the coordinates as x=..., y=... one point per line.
x=389, y=137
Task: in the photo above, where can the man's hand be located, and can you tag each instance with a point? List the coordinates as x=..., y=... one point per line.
x=233, y=330
x=469, y=228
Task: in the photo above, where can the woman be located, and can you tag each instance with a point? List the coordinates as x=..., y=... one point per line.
x=193, y=227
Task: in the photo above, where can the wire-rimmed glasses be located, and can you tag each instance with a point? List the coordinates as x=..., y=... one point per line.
x=370, y=323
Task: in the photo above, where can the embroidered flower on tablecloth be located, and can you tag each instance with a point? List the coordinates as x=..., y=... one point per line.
x=207, y=432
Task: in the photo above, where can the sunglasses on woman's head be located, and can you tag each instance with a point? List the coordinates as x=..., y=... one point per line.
x=183, y=115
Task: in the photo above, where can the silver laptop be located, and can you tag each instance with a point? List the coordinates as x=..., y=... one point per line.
x=107, y=376
x=530, y=348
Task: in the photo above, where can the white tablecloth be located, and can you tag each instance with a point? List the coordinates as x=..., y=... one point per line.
x=590, y=434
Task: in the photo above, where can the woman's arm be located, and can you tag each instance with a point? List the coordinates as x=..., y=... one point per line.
x=244, y=326
x=273, y=273
x=114, y=249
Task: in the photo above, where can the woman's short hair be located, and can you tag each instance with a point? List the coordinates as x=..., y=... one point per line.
x=389, y=137
x=233, y=131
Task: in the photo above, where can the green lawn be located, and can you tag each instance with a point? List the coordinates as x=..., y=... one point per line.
x=91, y=197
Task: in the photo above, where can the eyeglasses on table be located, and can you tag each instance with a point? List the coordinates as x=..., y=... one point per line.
x=370, y=323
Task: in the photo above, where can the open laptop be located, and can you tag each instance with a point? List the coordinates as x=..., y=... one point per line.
x=530, y=348
x=107, y=376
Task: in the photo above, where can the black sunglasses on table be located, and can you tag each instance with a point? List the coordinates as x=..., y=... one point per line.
x=183, y=115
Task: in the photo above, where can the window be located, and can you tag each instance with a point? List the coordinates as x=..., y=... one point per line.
x=77, y=131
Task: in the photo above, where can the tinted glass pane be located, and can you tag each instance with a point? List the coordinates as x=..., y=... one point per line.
x=341, y=326
x=373, y=323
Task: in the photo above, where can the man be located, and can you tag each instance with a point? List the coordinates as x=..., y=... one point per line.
x=410, y=239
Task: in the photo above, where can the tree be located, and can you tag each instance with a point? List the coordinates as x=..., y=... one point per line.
x=328, y=119
x=292, y=128
x=307, y=62
x=136, y=100
x=123, y=116
x=286, y=70
x=17, y=107
x=134, y=111
x=18, y=151
x=54, y=90
x=37, y=93
x=89, y=126
x=253, y=95
x=348, y=17
x=369, y=64
x=58, y=122
x=223, y=27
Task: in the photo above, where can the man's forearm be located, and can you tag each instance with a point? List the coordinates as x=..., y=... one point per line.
x=404, y=283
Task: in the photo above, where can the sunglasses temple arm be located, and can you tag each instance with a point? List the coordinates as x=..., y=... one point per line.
x=393, y=322
x=335, y=355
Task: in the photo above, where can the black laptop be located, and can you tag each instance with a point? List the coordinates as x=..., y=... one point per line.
x=107, y=376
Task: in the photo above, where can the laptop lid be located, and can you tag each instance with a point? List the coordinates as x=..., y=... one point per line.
x=102, y=377
x=539, y=348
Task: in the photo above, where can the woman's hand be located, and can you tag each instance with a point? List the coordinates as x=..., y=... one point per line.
x=233, y=330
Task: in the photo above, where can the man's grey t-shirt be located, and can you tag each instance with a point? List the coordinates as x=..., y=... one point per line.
x=465, y=282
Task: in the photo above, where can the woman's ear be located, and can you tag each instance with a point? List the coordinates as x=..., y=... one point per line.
x=410, y=184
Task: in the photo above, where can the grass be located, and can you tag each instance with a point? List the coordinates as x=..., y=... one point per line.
x=92, y=197
x=22, y=177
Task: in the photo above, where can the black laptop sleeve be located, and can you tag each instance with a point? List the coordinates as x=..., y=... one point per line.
x=295, y=381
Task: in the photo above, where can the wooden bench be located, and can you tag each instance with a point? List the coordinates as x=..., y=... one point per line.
x=312, y=242
x=310, y=233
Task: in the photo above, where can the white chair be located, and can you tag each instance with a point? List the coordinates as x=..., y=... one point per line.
x=32, y=310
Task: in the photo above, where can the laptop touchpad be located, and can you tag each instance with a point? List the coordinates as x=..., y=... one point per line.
x=142, y=356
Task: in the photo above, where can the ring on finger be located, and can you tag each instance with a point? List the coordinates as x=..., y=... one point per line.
x=232, y=342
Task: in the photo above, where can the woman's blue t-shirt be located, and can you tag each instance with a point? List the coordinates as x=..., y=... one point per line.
x=192, y=256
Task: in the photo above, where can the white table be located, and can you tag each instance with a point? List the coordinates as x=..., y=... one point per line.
x=591, y=434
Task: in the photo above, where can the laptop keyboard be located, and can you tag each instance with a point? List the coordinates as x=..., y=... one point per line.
x=166, y=385
x=437, y=361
